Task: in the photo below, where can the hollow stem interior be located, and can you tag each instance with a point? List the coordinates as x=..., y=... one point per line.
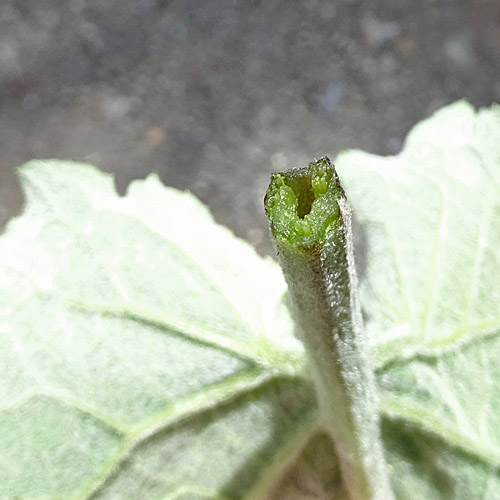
x=302, y=203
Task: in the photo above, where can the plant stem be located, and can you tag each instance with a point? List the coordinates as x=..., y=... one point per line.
x=310, y=221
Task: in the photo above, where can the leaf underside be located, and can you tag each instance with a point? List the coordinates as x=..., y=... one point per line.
x=147, y=353
x=431, y=295
x=136, y=348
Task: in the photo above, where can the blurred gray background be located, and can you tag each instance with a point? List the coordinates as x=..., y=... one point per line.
x=216, y=94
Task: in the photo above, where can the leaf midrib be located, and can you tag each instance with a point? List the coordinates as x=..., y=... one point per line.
x=391, y=408
x=215, y=397
x=476, y=334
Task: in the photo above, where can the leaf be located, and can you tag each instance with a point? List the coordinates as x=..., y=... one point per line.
x=145, y=351
x=431, y=295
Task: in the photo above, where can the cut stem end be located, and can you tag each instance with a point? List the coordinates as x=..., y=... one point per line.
x=302, y=203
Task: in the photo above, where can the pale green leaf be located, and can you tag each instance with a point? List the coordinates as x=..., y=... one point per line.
x=431, y=297
x=145, y=351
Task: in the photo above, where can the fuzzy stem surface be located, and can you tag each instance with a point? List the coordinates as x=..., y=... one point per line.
x=310, y=221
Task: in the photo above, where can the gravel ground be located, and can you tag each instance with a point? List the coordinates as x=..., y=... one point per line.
x=217, y=94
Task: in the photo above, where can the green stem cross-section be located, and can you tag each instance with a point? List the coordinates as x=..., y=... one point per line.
x=310, y=221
